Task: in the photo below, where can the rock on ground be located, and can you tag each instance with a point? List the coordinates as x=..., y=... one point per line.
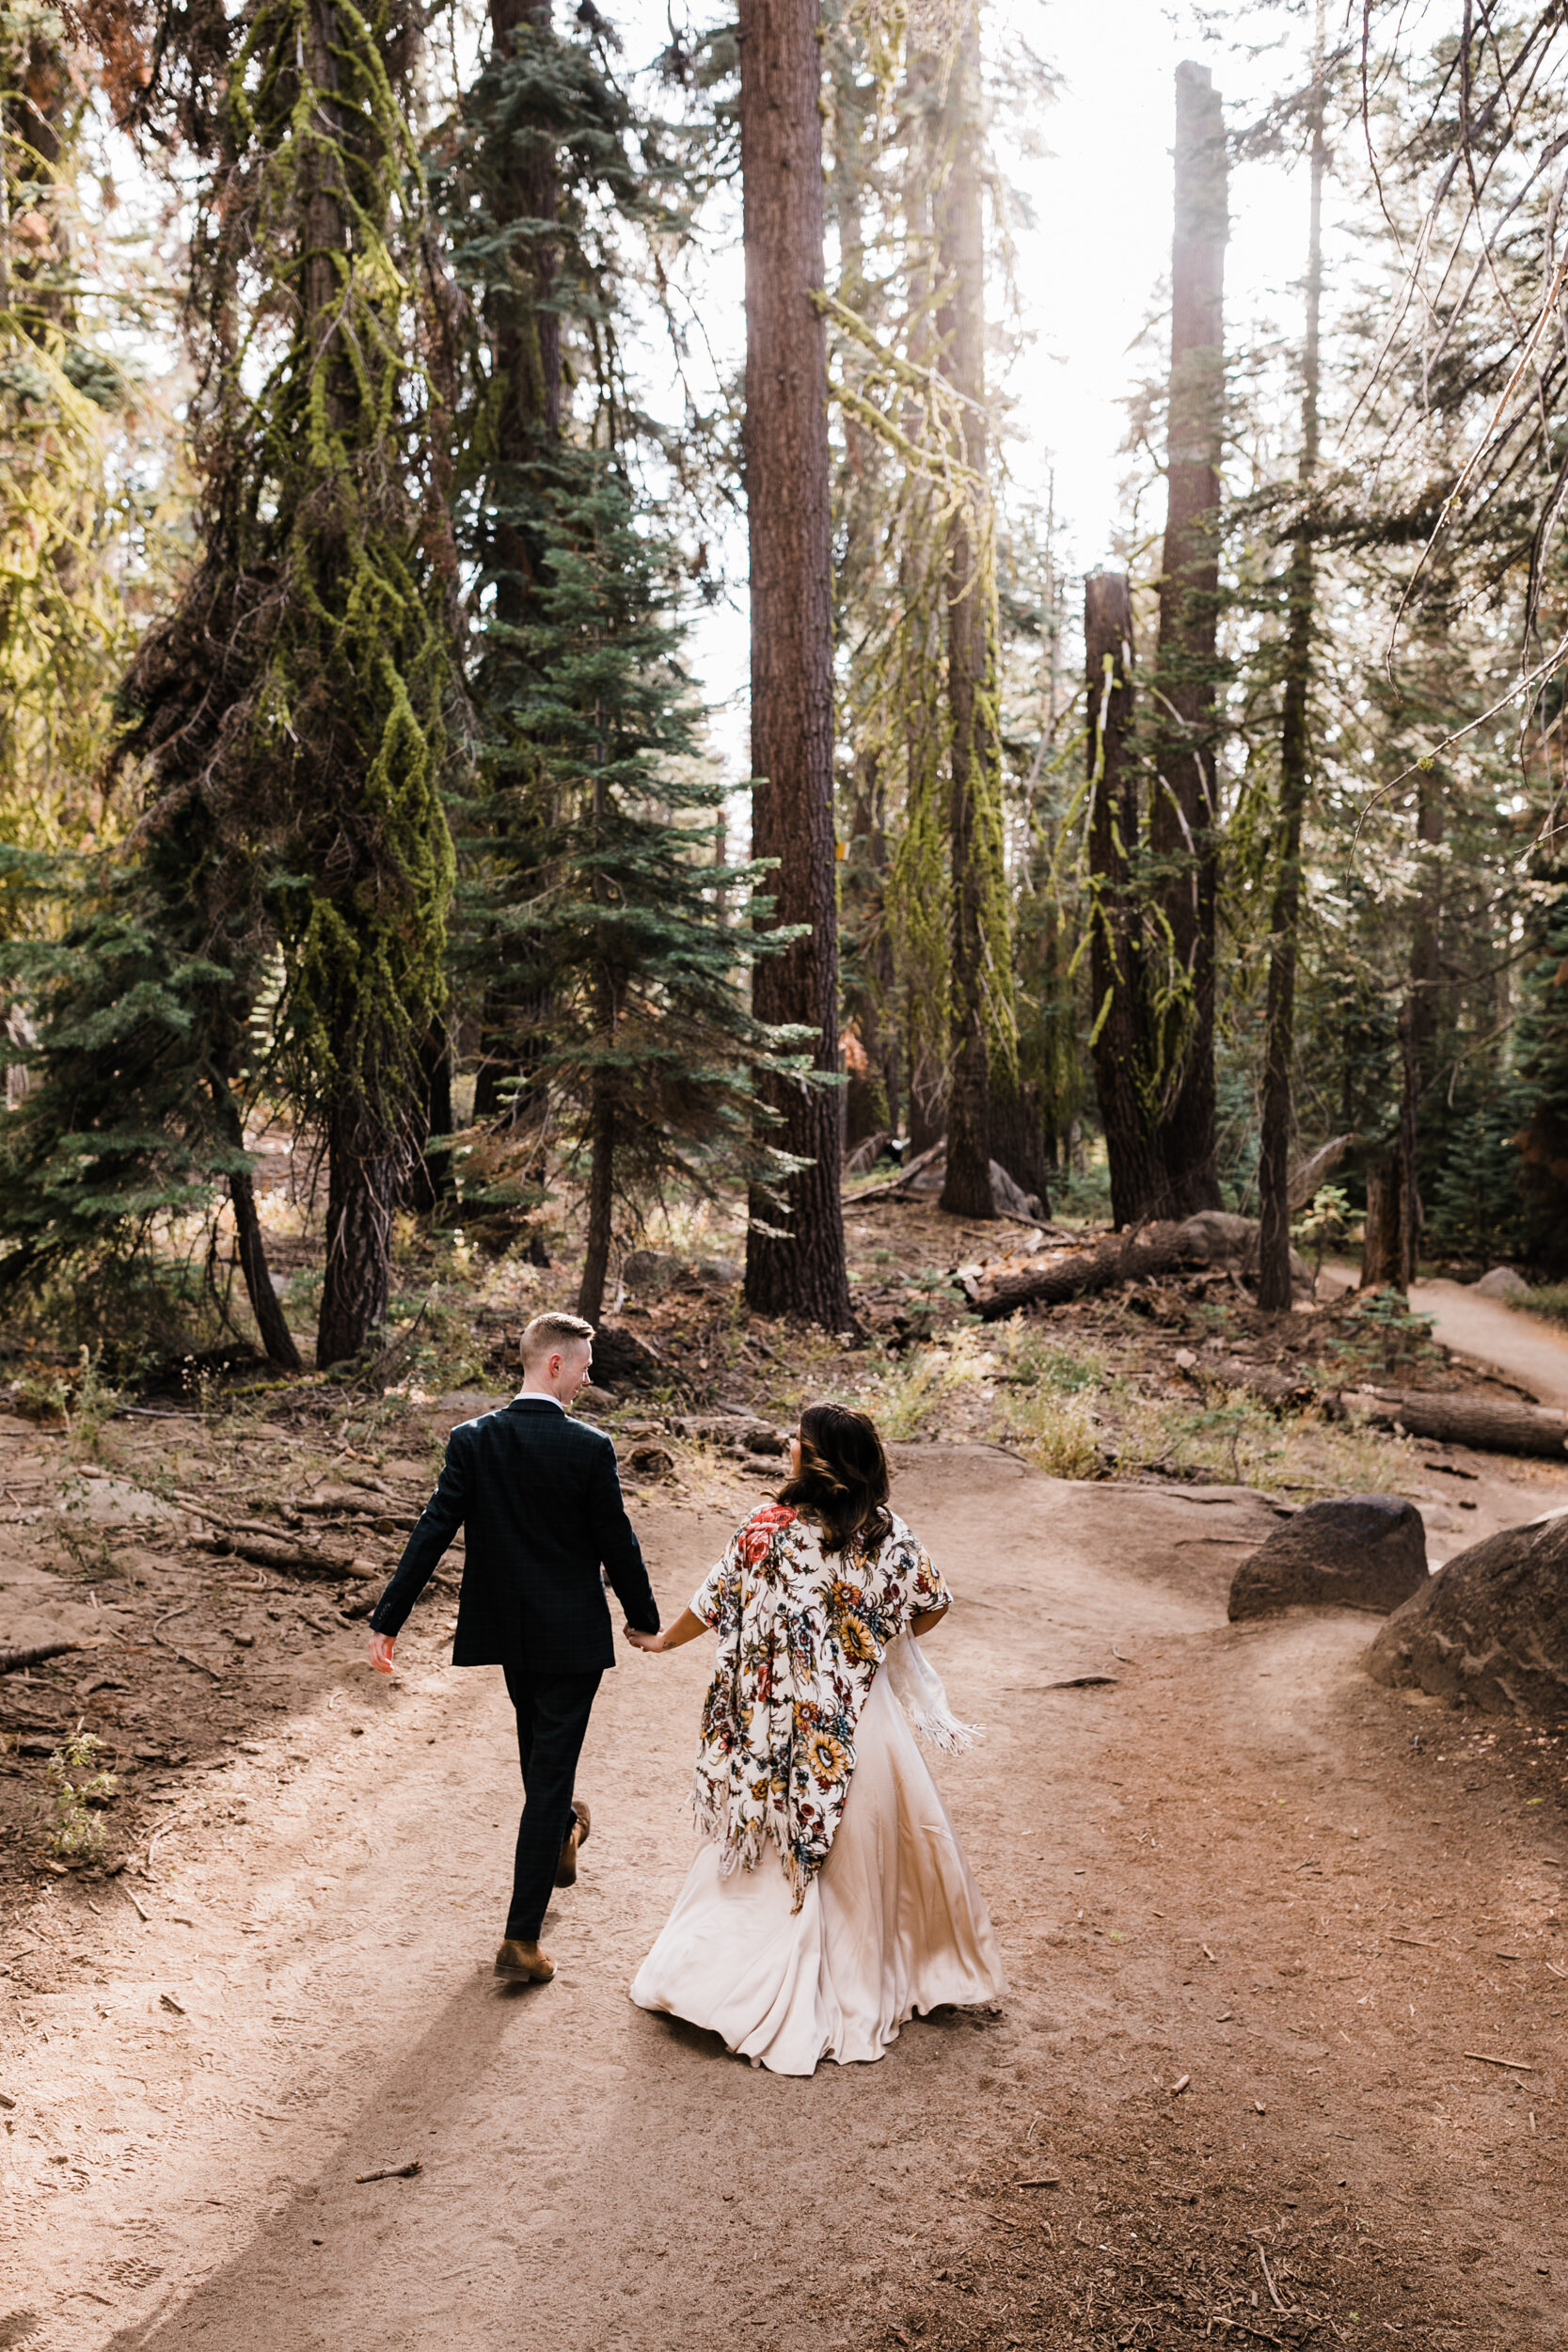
x=1502, y=1283
x=1359, y=1551
x=929, y=1174
x=1490, y=1628
x=1217, y=1237
x=648, y=1273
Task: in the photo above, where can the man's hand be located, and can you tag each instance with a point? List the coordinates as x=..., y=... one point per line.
x=381, y=1652
x=686, y=1628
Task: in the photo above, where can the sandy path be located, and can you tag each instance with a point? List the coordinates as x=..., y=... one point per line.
x=1198, y=1871
x=1517, y=1345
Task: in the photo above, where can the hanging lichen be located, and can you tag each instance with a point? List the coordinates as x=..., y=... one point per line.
x=907, y=489
x=303, y=693
x=66, y=507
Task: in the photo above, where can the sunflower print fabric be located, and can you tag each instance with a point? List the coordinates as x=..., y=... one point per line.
x=800, y=1637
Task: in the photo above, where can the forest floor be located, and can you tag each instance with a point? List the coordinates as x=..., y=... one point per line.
x=1260, y=1914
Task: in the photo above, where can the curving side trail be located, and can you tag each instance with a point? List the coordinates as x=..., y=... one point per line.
x=1523, y=1346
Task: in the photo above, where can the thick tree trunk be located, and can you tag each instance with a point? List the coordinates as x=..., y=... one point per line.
x=1183, y=821
x=1295, y=769
x=524, y=363
x=970, y=647
x=1121, y=1046
x=366, y=1175
x=800, y=1270
x=367, y=1152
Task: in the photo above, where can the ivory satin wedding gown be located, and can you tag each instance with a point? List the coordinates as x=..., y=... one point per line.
x=892, y=1925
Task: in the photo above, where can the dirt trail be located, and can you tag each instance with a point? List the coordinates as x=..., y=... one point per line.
x=1518, y=1344
x=1240, y=1864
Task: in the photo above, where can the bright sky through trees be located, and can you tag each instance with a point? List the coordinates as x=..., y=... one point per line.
x=1092, y=268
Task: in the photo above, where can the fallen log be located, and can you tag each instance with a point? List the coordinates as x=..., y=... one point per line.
x=1121, y=1258
x=892, y=1186
x=1308, y=1174
x=13, y=1660
x=1489, y=1424
x=285, y=1559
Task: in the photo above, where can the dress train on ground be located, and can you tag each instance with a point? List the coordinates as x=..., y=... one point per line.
x=893, y=1923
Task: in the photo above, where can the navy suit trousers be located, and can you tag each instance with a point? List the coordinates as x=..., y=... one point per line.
x=552, y=1719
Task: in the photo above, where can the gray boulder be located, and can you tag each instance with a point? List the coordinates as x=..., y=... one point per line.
x=1218, y=1237
x=1012, y=1200
x=1502, y=1283
x=929, y=1173
x=647, y=1273
x=1359, y=1551
x=1490, y=1628
x=719, y=1273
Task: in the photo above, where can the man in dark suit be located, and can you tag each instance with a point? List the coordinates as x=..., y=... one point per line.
x=539, y=1496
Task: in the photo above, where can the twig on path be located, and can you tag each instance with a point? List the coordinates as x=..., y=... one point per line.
x=1117, y=1653
x=390, y=2172
x=1268, y=2282
x=136, y=1906
x=315, y=1624
x=1043, y=2180
x=189, y=1503
x=1179, y=2084
x=1083, y=1682
x=1520, y=2066
x=176, y=1820
x=183, y=1655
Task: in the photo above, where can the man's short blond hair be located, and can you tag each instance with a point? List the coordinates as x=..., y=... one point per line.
x=548, y=1332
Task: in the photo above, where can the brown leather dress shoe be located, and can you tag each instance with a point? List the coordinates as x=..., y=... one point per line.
x=524, y=1964
x=566, y=1869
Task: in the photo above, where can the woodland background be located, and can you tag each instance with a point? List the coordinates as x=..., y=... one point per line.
x=358, y=806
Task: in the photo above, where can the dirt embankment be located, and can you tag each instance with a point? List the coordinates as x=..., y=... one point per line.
x=1270, y=1930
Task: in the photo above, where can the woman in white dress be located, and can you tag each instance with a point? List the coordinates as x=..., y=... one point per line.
x=831, y=1900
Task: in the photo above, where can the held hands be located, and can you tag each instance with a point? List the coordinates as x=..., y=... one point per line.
x=686, y=1628
x=381, y=1652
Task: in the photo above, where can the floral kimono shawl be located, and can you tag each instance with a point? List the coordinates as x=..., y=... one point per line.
x=801, y=1638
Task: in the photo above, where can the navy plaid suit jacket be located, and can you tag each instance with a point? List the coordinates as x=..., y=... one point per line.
x=540, y=1498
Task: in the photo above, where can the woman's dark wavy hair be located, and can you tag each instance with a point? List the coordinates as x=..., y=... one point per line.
x=843, y=1482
